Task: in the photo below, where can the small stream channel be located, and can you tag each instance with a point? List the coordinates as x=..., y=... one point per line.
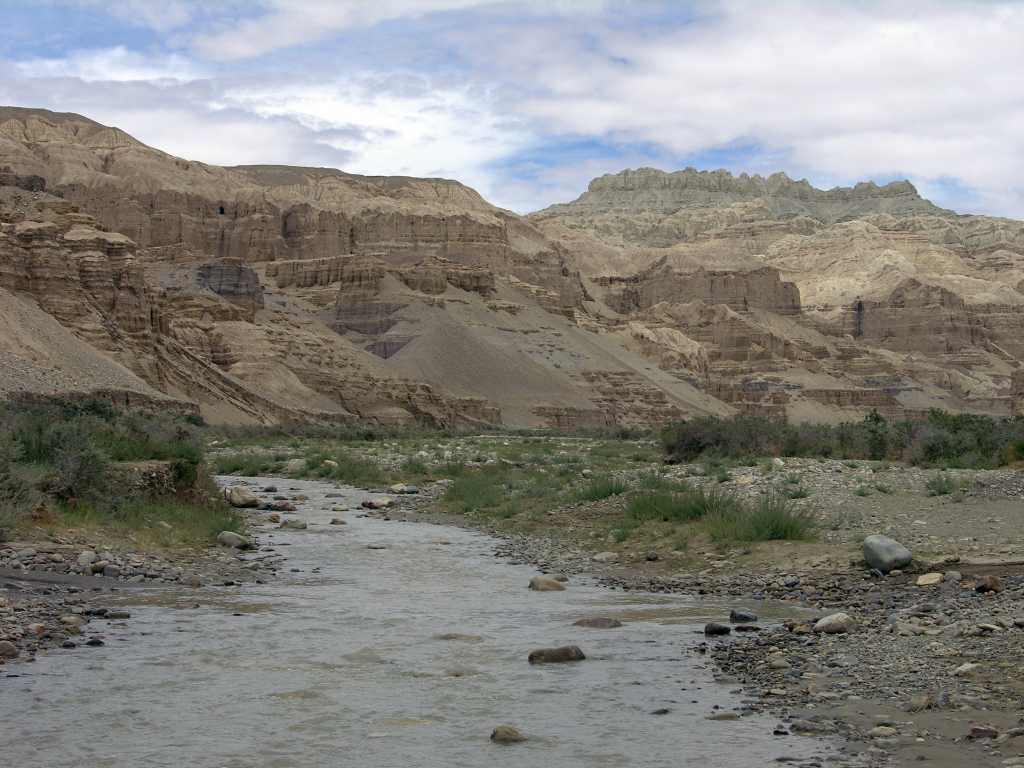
x=342, y=666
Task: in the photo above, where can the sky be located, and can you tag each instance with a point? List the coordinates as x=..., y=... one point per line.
x=528, y=101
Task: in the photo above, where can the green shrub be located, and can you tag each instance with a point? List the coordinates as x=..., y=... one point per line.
x=861, y=490
x=476, y=491
x=601, y=488
x=678, y=507
x=940, y=440
x=797, y=493
x=941, y=484
x=772, y=518
x=883, y=488
x=245, y=463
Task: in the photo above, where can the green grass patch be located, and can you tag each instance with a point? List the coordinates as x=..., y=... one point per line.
x=772, y=518
x=245, y=464
x=601, y=488
x=167, y=523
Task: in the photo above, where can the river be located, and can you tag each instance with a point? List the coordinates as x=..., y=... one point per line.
x=340, y=663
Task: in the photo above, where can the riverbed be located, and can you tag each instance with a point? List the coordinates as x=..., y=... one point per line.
x=386, y=644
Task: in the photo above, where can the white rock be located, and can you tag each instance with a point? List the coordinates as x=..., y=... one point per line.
x=929, y=579
x=232, y=539
x=967, y=669
x=240, y=496
x=834, y=624
x=605, y=557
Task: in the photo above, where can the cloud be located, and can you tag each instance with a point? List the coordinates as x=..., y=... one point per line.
x=524, y=100
x=112, y=64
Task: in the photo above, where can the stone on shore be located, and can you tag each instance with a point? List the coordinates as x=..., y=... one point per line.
x=378, y=502
x=885, y=554
x=506, y=734
x=293, y=525
x=545, y=584
x=8, y=650
x=713, y=629
x=240, y=496
x=929, y=579
x=834, y=624
x=232, y=539
x=989, y=584
x=556, y=655
x=605, y=557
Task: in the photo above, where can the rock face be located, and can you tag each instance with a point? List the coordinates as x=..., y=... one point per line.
x=270, y=294
x=839, y=301
x=885, y=554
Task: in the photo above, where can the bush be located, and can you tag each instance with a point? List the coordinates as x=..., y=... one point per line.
x=600, y=488
x=942, y=439
x=79, y=471
x=678, y=507
x=941, y=484
x=475, y=492
x=773, y=518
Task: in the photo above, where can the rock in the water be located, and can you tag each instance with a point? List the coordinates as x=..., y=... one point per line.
x=337, y=521
x=713, y=628
x=556, y=655
x=983, y=732
x=232, y=539
x=929, y=579
x=882, y=732
x=294, y=525
x=599, y=622
x=88, y=557
x=605, y=557
x=742, y=616
x=378, y=502
x=545, y=584
x=885, y=554
x=118, y=615
x=506, y=734
x=240, y=496
x=835, y=624
x=8, y=650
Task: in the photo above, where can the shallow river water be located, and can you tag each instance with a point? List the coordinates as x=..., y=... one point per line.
x=344, y=667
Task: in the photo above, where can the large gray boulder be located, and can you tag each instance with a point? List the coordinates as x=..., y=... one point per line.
x=232, y=539
x=885, y=554
x=240, y=496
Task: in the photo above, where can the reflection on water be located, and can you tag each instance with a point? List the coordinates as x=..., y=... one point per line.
x=387, y=658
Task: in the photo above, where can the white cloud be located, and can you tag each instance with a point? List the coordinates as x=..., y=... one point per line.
x=837, y=92
x=112, y=64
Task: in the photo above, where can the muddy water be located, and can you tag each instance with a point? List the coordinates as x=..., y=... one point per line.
x=343, y=666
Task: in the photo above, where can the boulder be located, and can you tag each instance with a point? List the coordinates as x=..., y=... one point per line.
x=713, y=629
x=8, y=650
x=378, y=502
x=544, y=584
x=605, y=557
x=556, y=655
x=599, y=622
x=337, y=521
x=240, y=496
x=294, y=525
x=506, y=734
x=988, y=584
x=885, y=554
x=88, y=557
x=232, y=539
x=929, y=579
x=834, y=624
